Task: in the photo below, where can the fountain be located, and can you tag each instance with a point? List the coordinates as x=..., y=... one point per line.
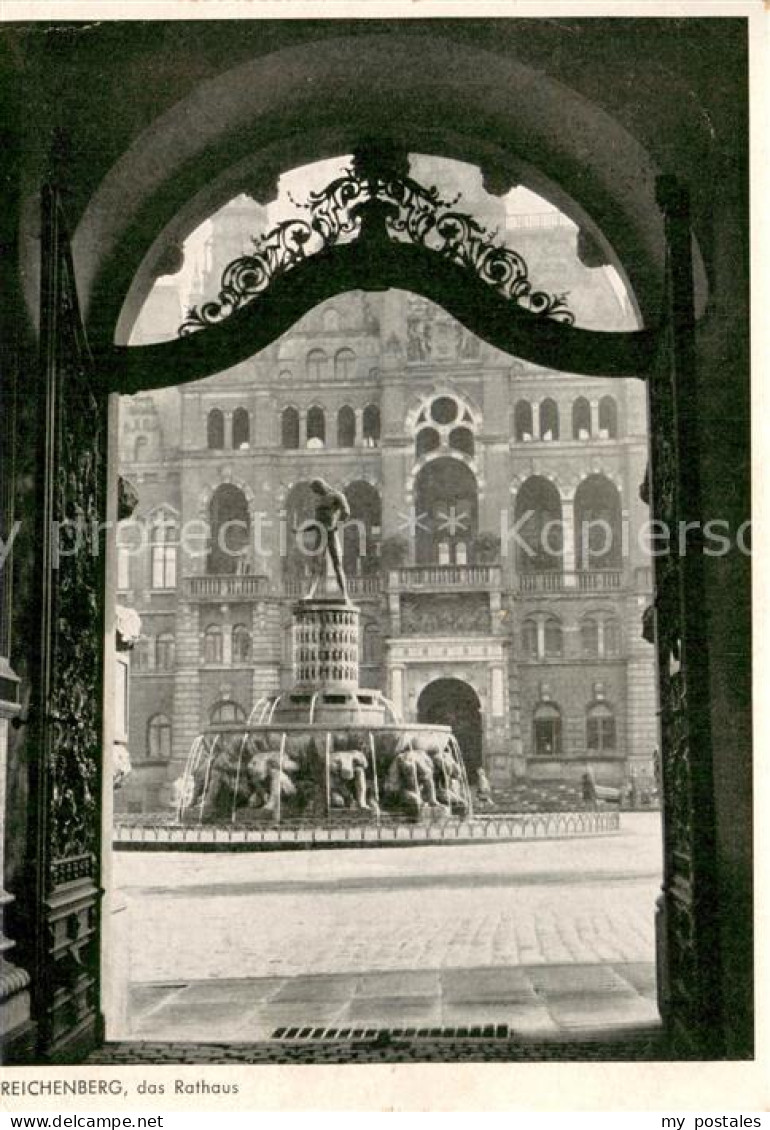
x=327, y=750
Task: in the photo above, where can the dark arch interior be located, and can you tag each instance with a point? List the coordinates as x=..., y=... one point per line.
x=230, y=527
x=447, y=493
x=598, y=531
x=453, y=702
x=361, y=533
x=538, y=516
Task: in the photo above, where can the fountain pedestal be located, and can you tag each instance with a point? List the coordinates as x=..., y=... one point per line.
x=325, y=644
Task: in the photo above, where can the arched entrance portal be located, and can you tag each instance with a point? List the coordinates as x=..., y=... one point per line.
x=452, y=702
x=372, y=262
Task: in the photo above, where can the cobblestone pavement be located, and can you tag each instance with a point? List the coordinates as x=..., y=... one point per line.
x=444, y=928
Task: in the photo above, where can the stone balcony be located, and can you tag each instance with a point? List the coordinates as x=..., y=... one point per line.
x=358, y=587
x=445, y=578
x=583, y=580
x=226, y=586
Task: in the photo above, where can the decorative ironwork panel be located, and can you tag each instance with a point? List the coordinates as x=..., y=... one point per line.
x=68, y=708
x=691, y=1001
x=377, y=199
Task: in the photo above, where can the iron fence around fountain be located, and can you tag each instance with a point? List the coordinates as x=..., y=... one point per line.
x=151, y=833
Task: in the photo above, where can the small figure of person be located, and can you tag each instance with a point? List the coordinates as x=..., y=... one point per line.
x=588, y=783
x=331, y=509
x=483, y=787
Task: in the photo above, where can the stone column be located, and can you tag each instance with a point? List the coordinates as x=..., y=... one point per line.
x=228, y=428
x=568, y=547
x=358, y=439
x=187, y=703
x=227, y=638
x=397, y=689
x=498, y=696
x=541, y=638
x=594, y=419
x=536, y=420
x=302, y=428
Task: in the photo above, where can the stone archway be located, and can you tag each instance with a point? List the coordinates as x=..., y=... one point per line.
x=681, y=933
x=453, y=702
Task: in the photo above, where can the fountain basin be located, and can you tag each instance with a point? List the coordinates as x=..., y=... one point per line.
x=326, y=770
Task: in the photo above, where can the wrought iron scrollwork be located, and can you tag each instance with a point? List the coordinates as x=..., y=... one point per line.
x=376, y=198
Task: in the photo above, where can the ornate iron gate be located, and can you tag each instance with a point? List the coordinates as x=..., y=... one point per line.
x=66, y=713
x=689, y=977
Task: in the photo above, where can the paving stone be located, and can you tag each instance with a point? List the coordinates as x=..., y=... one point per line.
x=492, y=985
x=252, y=990
x=592, y=1012
x=402, y=983
x=388, y=1012
x=312, y=989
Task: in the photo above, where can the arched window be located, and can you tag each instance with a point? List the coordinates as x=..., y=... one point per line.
x=164, y=651
x=598, y=525
x=529, y=644
x=546, y=726
x=581, y=419
x=461, y=439
x=300, y=506
x=589, y=637
x=316, y=425
x=141, y=449
x=539, y=526
x=362, y=530
x=159, y=738
x=227, y=711
x=290, y=428
x=331, y=320
x=549, y=420
x=553, y=638
x=346, y=427
x=611, y=637
x=215, y=430
x=427, y=440
x=523, y=426
x=601, y=732
x=316, y=365
x=608, y=418
x=163, y=536
x=345, y=365
x=444, y=410
x=230, y=525
x=446, y=497
x=241, y=644
x=240, y=429
x=371, y=424
x=212, y=644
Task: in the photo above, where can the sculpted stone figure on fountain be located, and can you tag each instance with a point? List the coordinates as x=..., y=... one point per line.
x=348, y=786
x=270, y=777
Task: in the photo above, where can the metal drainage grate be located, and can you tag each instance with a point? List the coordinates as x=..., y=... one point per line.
x=393, y=1035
